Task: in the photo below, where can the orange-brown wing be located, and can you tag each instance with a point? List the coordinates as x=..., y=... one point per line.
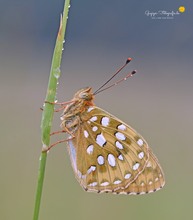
x=107, y=155
x=150, y=180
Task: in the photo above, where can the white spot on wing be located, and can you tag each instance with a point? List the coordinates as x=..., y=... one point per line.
x=105, y=121
x=92, y=168
x=80, y=175
x=122, y=193
x=132, y=193
x=90, y=109
x=119, y=145
x=85, y=133
x=95, y=128
x=140, y=142
x=136, y=166
x=100, y=160
x=94, y=118
x=141, y=155
x=90, y=149
x=93, y=184
x=100, y=140
x=149, y=164
x=104, y=184
x=117, y=181
x=122, y=127
x=111, y=160
x=120, y=136
x=120, y=157
x=127, y=176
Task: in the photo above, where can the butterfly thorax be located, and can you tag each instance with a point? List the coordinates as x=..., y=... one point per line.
x=71, y=117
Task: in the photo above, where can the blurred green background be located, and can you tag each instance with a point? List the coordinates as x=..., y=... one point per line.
x=156, y=102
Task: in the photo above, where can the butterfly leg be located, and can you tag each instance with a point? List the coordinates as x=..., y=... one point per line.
x=58, y=142
x=63, y=104
x=57, y=132
x=59, y=109
x=65, y=130
x=59, y=103
x=55, y=110
x=61, y=141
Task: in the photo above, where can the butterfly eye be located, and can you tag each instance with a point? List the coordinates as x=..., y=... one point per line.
x=85, y=95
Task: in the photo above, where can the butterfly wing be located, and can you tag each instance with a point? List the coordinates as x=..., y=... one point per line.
x=108, y=155
x=150, y=180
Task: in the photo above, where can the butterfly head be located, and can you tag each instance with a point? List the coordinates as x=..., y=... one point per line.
x=85, y=95
x=80, y=102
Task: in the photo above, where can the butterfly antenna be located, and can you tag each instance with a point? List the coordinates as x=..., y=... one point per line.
x=119, y=70
x=116, y=83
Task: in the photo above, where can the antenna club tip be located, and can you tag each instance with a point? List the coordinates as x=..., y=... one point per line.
x=133, y=72
x=128, y=60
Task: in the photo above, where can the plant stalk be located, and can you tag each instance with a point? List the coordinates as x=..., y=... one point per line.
x=48, y=111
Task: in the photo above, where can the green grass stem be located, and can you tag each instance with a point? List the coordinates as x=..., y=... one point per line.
x=48, y=111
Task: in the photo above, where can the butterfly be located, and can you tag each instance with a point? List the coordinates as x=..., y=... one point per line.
x=107, y=155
